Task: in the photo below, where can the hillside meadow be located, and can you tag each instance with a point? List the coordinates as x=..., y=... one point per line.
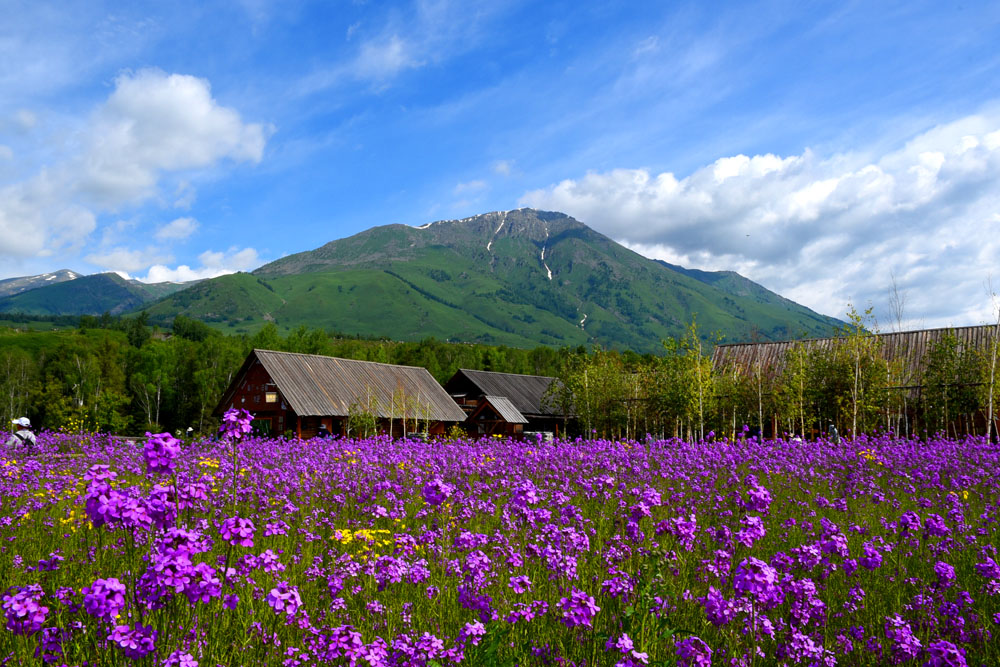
x=586, y=552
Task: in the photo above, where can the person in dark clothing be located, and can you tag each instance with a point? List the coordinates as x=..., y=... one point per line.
x=322, y=431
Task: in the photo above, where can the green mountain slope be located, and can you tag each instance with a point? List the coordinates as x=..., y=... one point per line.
x=87, y=295
x=518, y=278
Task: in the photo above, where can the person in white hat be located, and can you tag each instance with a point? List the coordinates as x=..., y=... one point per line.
x=23, y=438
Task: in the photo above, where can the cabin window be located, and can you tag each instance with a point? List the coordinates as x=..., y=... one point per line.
x=270, y=397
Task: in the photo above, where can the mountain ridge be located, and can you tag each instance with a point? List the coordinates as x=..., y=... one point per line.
x=86, y=295
x=521, y=277
x=19, y=284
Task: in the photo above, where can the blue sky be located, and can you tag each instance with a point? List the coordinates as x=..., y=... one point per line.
x=822, y=149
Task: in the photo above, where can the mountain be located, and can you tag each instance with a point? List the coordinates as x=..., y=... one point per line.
x=85, y=295
x=11, y=286
x=519, y=278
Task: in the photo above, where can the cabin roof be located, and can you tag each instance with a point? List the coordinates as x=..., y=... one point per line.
x=320, y=386
x=908, y=347
x=506, y=409
x=526, y=393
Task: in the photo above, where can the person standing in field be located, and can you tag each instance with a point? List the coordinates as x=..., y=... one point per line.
x=23, y=438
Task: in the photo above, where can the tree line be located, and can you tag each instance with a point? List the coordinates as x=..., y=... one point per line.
x=848, y=383
x=119, y=374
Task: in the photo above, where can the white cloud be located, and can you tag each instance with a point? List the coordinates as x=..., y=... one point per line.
x=213, y=265
x=430, y=32
x=503, y=167
x=385, y=57
x=470, y=187
x=155, y=122
x=25, y=119
x=153, y=126
x=35, y=220
x=821, y=230
x=128, y=260
x=176, y=230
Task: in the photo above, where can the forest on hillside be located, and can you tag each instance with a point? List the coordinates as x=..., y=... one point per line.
x=123, y=376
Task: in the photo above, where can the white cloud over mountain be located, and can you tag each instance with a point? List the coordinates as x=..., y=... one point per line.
x=213, y=265
x=822, y=230
x=153, y=129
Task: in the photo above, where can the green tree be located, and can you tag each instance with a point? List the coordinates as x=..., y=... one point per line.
x=152, y=381
x=950, y=385
x=792, y=387
x=868, y=376
x=18, y=373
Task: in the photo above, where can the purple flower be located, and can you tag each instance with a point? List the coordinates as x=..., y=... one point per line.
x=521, y=584
x=284, y=599
x=758, y=498
x=693, y=652
x=22, y=607
x=52, y=564
x=178, y=659
x=945, y=574
x=472, y=632
x=50, y=648
x=988, y=569
x=872, y=559
x=684, y=530
x=756, y=578
x=99, y=473
x=526, y=494
x=160, y=452
x=137, y=643
x=718, y=609
x=389, y=570
x=578, y=609
x=623, y=644
x=235, y=424
x=904, y=645
x=437, y=491
x=935, y=526
x=104, y=504
x=206, y=586
x=751, y=531
x=909, y=522
x=276, y=528
x=945, y=654
x=237, y=531
x=105, y=598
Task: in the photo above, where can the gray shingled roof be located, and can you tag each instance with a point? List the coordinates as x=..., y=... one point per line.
x=506, y=409
x=319, y=386
x=910, y=347
x=525, y=392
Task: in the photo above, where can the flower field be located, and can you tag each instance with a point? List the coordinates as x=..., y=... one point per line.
x=493, y=552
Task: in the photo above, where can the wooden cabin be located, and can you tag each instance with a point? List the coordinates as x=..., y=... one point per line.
x=909, y=350
x=287, y=392
x=506, y=403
